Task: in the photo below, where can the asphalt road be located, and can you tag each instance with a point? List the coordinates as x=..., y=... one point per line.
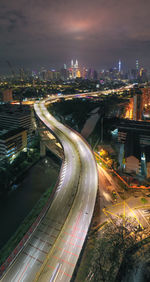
x=52, y=252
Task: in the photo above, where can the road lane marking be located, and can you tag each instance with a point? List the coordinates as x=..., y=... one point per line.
x=39, y=230
x=72, y=264
x=79, y=230
x=135, y=216
x=44, y=241
x=62, y=273
x=32, y=257
x=55, y=272
x=72, y=235
x=14, y=278
x=24, y=271
x=61, y=252
x=38, y=249
x=143, y=217
x=78, y=246
x=67, y=274
x=67, y=251
x=76, y=223
x=48, y=234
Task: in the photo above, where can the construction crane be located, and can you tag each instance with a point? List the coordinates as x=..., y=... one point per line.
x=14, y=76
x=11, y=68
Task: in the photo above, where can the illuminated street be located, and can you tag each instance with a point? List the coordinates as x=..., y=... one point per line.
x=111, y=208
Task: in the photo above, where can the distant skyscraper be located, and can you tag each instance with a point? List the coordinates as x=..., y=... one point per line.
x=119, y=66
x=76, y=64
x=71, y=63
x=137, y=65
x=74, y=70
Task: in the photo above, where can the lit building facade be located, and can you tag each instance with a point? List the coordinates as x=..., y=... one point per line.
x=52, y=75
x=119, y=66
x=137, y=106
x=12, y=142
x=146, y=96
x=74, y=71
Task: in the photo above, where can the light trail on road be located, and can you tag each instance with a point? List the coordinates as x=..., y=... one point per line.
x=54, y=248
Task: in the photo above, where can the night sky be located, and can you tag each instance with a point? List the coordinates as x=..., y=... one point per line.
x=98, y=33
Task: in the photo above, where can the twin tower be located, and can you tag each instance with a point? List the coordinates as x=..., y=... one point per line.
x=74, y=71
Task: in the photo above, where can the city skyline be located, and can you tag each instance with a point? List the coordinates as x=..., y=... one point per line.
x=74, y=140
x=50, y=33
x=14, y=69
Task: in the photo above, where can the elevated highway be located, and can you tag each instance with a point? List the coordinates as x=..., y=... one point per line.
x=53, y=250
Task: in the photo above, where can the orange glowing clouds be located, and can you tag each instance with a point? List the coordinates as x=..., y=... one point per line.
x=50, y=32
x=78, y=26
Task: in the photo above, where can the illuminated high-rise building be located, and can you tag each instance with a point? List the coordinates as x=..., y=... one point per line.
x=71, y=63
x=84, y=72
x=137, y=65
x=119, y=66
x=78, y=74
x=76, y=64
x=74, y=70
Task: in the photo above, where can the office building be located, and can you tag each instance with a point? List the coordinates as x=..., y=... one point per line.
x=12, y=141
x=119, y=66
x=74, y=71
x=14, y=116
x=137, y=66
x=64, y=73
x=52, y=75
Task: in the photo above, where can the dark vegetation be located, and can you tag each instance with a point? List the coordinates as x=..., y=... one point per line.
x=24, y=227
x=75, y=112
x=136, y=263
x=108, y=249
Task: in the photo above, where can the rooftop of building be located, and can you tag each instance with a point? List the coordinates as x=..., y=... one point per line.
x=6, y=134
x=132, y=145
x=4, y=88
x=16, y=110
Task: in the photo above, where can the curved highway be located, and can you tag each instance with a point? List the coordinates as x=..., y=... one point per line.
x=52, y=251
